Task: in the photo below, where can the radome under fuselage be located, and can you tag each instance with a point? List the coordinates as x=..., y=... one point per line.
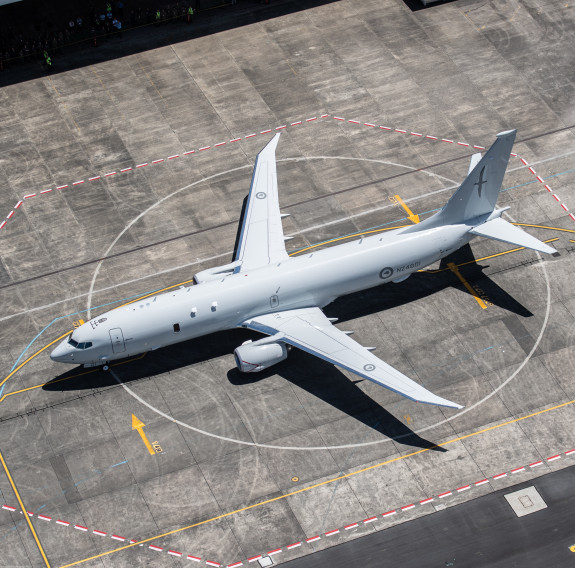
x=312, y=279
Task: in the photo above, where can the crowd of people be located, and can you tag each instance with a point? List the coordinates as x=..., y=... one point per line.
x=18, y=46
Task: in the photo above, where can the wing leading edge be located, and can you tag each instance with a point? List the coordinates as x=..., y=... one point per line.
x=310, y=330
x=261, y=239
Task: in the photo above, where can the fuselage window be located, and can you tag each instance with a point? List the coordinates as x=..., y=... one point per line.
x=176, y=327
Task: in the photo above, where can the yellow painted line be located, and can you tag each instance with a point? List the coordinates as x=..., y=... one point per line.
x=154, y=293
x=35, y=354
x=138, y=425
x=293, y=254
x=483, y=258
x=544, y=227
x=413, y=218
x=327, y=482
x=469, y=287
x=24, y=510
x=52, y=382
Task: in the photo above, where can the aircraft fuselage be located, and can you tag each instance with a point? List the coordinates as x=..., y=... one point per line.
x=312, y=279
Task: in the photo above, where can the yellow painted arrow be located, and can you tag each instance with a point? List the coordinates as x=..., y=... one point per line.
x=413, y=218
x=468, y=286
x=138, y=425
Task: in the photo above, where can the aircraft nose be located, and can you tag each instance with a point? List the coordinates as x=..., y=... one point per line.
x=62, y=353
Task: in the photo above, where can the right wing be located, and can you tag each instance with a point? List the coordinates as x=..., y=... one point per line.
x=310, y=330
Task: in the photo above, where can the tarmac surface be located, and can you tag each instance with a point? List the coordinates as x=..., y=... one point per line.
x=482, y=532
x=126, y=177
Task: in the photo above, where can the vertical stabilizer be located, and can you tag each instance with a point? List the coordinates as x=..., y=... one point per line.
x=478, y=193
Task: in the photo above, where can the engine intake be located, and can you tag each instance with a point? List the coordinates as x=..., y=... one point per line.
x=252, y=357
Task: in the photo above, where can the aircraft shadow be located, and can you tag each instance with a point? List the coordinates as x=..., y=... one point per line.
x=423, y=284
x=315, y=376
x=311, y=374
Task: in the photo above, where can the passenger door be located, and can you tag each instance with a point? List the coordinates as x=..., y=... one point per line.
x=117, y=339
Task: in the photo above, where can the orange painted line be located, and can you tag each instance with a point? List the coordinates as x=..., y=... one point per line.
x=327, y=482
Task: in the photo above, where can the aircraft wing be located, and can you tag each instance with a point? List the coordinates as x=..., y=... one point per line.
x=261, y=239
x=309, y=329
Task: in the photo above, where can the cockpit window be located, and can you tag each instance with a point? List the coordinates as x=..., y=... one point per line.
x=77, y=345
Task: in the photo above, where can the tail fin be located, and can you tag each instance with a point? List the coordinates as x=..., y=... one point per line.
x=477, y=195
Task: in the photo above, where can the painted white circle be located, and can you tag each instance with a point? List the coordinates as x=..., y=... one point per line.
x=311, y=448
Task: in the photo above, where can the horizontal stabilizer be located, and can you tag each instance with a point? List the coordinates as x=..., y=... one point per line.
x=501, y=230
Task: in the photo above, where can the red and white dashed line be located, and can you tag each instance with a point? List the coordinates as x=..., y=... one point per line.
x=348, y=527
x=296, y=123
x=352, y=526
x=411, y=506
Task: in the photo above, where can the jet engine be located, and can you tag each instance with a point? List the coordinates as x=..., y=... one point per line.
x=252, y=357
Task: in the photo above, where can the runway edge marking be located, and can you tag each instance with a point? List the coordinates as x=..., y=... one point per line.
x=411, y=506
x=310, y=540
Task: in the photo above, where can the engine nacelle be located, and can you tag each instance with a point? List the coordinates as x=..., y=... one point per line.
x=252, y=358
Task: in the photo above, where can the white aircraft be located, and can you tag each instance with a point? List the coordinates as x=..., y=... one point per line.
x=266, y=290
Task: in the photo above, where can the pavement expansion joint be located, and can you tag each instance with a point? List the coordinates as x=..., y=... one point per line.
x=277, y=129
x=354, y=525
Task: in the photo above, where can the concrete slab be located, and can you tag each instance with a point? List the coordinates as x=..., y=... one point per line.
x=73, y=451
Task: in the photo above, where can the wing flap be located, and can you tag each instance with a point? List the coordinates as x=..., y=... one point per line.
x=310, y=330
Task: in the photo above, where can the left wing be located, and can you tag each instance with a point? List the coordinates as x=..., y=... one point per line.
x=309, y=329
x=262, y=238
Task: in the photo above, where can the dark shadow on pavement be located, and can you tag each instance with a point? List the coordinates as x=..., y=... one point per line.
x=81, y=51
x=314, y=375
